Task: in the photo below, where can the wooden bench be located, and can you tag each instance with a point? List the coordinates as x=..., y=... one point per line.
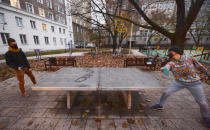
x=142, y=62
x=52, y=61
x=134, y=62
x=205, y=56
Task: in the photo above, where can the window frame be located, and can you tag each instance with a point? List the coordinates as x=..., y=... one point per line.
x=49, y=5
x=18, y=19
x=44, y=27
x=51, y=15
x=33, y=24
x=3, y=20
x=31, y=6
x=40, y=1
x=46, y=39
x=39, y=9
x=53, y=29
x=36, y=40
x=23, y=39
x=5, y=37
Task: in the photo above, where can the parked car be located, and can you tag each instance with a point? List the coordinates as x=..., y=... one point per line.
x=90, y=45
x=79, y=46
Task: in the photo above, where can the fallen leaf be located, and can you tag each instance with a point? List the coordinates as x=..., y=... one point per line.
x=130, y=121
x=124, y=125
x=1, y=126
x=75, y=123
x=107, y=117
x=84, y=115
x=98, y=120
x=30, y=123
x=113, y=124
x=105, y=104
x=141, y=122
x=142, y=105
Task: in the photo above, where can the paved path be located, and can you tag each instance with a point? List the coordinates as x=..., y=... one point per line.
x=137, y=53
x=47, y=109
x=54, y=55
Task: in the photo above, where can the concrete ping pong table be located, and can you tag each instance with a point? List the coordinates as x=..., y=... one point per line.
x=124, y=80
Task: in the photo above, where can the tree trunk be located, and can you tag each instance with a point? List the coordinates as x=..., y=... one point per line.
x=178, y=41
x=114, y=39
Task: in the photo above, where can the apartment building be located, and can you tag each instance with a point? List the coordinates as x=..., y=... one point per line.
x=35, y=24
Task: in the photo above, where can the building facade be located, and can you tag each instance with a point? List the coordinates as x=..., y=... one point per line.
x=37, y=24
x=81, y=28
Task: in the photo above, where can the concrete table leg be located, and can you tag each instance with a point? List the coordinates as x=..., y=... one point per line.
x=127, y=98
x=68, y=99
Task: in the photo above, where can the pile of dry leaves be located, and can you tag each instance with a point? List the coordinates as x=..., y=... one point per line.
x=102, y=60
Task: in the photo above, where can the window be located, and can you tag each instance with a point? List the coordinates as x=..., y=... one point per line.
x=40, y=1
x=56, y=8
x=23, y=39
x=58, y=18
x=61, y=9
x=41, y=12
x=14, y=3
x=49, y=3
x=61, y=40
x=59, y=30
x=53, y=28
x=65, y=42
x=2, y=21
x=46, y=40
x=19, y=21
x=33, y=24
x=54, y=40
x=62, y=20
x=64, y=31
x=50, y=15
x=36, y=40
x=44, y=27
x=61, y=1
x=4, y=37
x=29, y=8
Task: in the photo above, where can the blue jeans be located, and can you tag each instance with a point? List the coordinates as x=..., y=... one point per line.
x=196, y=90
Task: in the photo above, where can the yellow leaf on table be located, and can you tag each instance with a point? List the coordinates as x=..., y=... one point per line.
x=140, y=122
x=98, y=120
x=30, y=123
x=2, y=127
x=124, y=125
x=105, y=104
x=84, y=114
x=75, y=123
x=130, y=121
x=142, y=105
x=113, y=124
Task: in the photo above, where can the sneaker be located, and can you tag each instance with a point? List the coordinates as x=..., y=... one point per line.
x=157, y=107
x=207, y=121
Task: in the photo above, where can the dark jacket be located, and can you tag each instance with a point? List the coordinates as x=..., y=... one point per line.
x=16, y=59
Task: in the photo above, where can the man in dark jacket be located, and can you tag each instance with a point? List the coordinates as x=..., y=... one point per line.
x=16, y=59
